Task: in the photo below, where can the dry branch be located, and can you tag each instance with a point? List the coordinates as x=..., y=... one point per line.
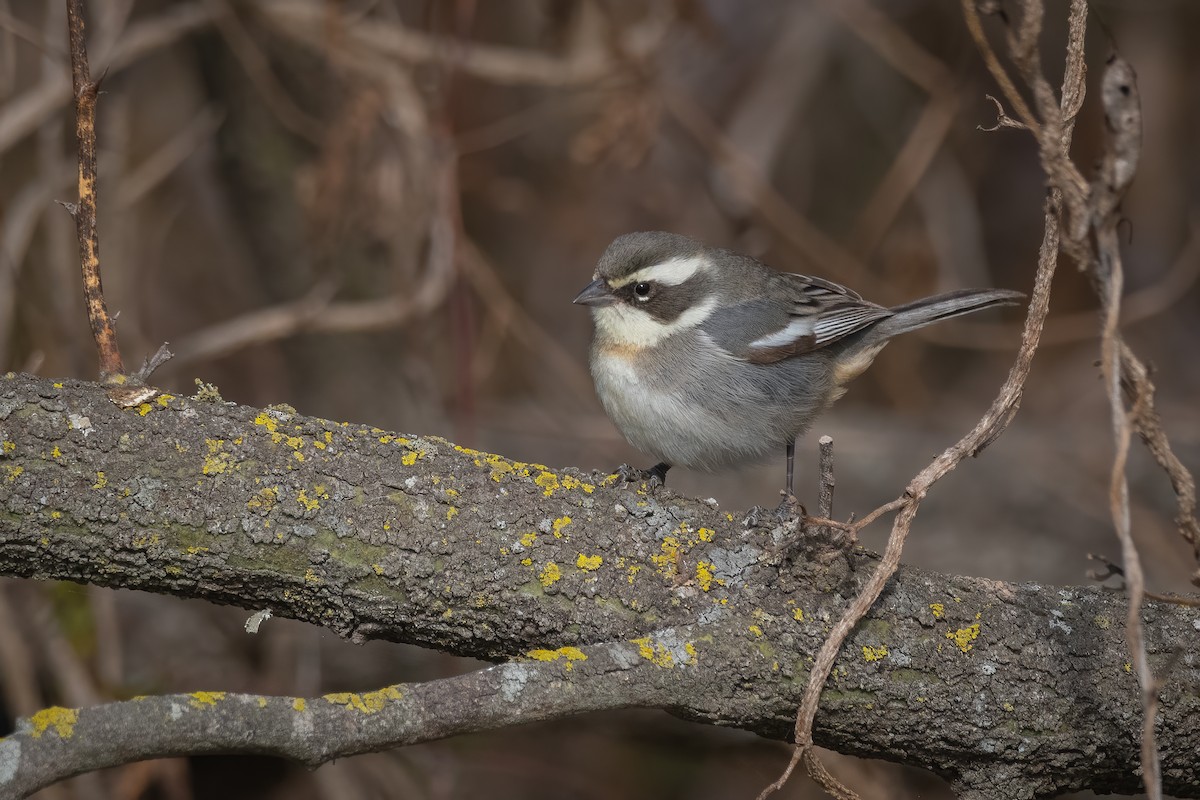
x=85, y=91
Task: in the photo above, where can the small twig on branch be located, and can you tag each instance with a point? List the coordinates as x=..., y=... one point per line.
x=85, y=91
x=1003, y=120
x=825, y=468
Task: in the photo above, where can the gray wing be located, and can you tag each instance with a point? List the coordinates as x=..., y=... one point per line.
x=799, y=315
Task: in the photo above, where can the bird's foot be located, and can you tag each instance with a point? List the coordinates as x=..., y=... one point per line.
x=754, y=517
x=656, y=475
x=790, y=509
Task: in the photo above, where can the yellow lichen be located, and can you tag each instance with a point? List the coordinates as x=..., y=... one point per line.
x=367, y=702
x=964, y=636
x=571, y=482
x=551, y=574
x=310, y=576
x=706, y=534
x=216, y=461
x=757, y=631
x=571, y=654
x=528, y=562
x=165, y=399
x=62, y=720
x=548, y=481
x=409, y=458
x=798, y=614
x=654, y=652
x=56, y=453
x=265, y=499
x=144, y=409
x=309, y=503
x=633, y=571
x=1009, y=707
x=559, y=524
x=451, y=513
x=874, y=653
x=690, y=649
x=202, y=699
x=704, y=574
x=588, y=563
x=667, y=561
x=15, y=471
x=938, y=609
x=8, y=446
x=528, y=539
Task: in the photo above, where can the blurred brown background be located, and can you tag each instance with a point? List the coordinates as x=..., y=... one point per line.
x=379, y=211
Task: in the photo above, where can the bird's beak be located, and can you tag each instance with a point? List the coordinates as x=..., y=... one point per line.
x=595, y=293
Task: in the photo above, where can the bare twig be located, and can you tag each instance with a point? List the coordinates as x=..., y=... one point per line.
x=85, y=212
x=825, y=501
x=1139, y=393
x=1124, y=122
x=1003, y=120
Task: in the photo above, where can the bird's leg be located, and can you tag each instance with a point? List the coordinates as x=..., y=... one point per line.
x=634, y=475
x=790, y=486
x=787, y=508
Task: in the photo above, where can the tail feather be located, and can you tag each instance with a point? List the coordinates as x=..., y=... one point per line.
x=919, y=313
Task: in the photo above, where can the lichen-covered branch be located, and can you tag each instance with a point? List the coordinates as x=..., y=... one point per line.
x=1014, y=690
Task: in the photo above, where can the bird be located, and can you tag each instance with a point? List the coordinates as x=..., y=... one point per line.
x=708, y=359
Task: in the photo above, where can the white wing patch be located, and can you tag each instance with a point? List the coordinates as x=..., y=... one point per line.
x=634, y=327
x=798, y=327
x=668, y=273
x=823, y=328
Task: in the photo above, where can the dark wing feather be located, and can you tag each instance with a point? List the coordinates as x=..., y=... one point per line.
x=821, y=312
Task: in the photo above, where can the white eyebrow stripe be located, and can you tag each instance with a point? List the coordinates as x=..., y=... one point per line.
x=796, y=329
x=669, y=273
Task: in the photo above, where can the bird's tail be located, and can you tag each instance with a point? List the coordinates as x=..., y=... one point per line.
x=929, y=310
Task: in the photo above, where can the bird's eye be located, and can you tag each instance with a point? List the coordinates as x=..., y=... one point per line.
x=642, y=290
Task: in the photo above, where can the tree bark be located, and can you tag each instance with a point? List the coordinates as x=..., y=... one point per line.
x=597, y=594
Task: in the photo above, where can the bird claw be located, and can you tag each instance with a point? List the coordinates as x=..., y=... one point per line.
x=754, y=517
x=790, y=509
x=655, y=476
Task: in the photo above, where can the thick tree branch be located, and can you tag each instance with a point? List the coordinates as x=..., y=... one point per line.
x=372, y=534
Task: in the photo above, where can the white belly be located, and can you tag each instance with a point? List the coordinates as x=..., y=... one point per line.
x=672, y=423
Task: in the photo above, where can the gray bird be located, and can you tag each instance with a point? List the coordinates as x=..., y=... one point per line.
x=706, y=358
